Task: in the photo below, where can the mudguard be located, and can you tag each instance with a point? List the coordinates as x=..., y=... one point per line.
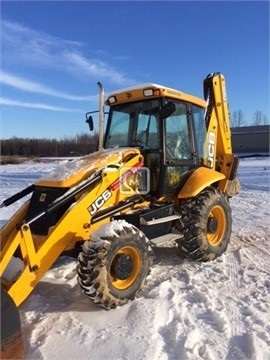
x=199, y=180
x=12, y=346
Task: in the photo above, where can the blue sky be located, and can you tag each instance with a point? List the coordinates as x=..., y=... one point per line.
x=55, y=52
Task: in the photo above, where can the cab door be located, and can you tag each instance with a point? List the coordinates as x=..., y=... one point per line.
x=179, y=150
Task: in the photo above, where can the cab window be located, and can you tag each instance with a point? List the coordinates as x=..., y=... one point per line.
x=200, y=130
x=177, y=141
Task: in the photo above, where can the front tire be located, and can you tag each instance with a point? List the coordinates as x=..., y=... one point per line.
x=206, y=225
x=113, y=266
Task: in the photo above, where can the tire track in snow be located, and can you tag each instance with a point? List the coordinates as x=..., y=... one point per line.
x=196, y=308
x=255, y=250
x=192, y=310
x=245, y=325
x=254, y=247
x=236, y=330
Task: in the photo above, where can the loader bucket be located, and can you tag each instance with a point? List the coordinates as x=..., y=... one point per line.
x=11, y=335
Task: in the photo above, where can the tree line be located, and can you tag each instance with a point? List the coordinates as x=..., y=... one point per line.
x=82, y=144
x=238, y=118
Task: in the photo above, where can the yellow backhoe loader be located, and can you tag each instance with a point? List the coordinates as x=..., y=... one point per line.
x=164, y=171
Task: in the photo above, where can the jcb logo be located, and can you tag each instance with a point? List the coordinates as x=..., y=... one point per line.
x=211, y=149
x=97, y=204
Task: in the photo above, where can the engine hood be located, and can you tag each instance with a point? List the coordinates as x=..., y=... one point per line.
x=73, y=172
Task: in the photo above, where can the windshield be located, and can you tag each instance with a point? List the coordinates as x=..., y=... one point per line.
x=134, y=124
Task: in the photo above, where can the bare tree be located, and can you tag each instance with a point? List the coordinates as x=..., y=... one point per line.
x=237, y=118
x=259, y=118
x=265, y=120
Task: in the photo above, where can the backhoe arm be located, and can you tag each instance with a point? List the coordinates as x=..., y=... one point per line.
x=217, y=119
x=217, y=115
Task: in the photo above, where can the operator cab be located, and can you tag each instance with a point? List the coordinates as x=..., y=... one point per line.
x=169, y=132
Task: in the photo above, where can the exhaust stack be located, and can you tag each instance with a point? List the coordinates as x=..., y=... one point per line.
x=101, y=116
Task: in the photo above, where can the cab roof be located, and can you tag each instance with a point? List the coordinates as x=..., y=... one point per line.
x=137, y=92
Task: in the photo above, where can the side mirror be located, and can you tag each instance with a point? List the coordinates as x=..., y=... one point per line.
x=90, y=122
x=167, y=110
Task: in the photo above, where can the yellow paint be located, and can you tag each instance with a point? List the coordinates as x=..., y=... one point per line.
x=198, y=180
x=40, y=252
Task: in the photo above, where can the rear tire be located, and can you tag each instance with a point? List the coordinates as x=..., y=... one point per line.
x=113, y=267
x=206, y=225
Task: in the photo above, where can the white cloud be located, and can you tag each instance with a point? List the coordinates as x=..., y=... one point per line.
x=9, y=102
x=22, y=45
x=30, y=86
x=96, y=68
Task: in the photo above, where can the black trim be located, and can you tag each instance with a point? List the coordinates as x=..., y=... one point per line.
x=157, y=211
x=56, y=202
x=103, y=214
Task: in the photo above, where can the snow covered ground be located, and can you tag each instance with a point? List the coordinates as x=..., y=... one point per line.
x=187, y=311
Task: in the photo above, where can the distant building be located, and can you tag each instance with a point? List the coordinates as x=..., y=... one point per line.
x=251, y=139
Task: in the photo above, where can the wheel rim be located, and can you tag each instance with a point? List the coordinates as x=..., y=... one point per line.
x=125, y=267
x=216, y=225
